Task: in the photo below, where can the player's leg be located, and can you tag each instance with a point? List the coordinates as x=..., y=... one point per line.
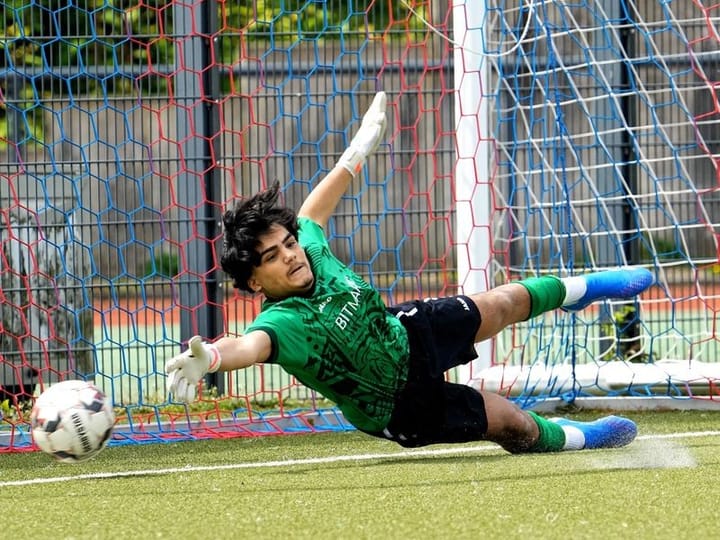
x=441, y=412
x=511, y=427
x=519, y=431
x=500, y=307
x=514, y=302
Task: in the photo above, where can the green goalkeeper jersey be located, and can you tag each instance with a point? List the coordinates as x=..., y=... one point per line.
x=339, y=339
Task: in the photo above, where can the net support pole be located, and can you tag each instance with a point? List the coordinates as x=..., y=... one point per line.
x=473, y=166
x=619, y=248
x=199, y=183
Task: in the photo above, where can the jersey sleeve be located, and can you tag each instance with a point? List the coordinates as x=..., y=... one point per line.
x=311, y=233
x=287, y=334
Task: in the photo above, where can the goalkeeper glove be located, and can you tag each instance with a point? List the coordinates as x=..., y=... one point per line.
x=186, y=369
x=368, y=137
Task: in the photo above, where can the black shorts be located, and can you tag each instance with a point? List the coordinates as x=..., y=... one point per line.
x=429, y=409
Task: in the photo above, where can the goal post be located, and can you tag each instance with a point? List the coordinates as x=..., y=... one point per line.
x=474, y=165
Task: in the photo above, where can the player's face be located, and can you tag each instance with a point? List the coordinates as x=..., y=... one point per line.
x=284, y=269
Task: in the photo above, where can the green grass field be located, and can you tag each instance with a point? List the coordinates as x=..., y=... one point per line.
x=348, y=485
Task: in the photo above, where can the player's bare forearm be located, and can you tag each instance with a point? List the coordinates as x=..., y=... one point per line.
x=320, y=205
x=244, y=351
x=322, y=201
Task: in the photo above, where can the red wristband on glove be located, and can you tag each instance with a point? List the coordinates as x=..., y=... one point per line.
x=215, y=360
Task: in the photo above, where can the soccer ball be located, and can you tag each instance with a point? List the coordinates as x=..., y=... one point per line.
x=72, y=421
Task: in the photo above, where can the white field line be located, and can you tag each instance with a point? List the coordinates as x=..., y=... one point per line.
x=409, y=454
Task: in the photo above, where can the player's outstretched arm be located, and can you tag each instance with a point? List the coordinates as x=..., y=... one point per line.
x=187, y=369
x=323, y=200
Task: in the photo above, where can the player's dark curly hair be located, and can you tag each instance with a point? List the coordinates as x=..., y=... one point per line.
x=243, y=225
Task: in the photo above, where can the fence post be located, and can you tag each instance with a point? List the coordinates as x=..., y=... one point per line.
x=197, y=93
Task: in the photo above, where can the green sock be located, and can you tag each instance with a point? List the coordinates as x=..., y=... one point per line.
x=552, y=436
x=546, y=293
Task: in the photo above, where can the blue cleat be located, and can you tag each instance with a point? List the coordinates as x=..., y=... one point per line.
x=606, y=432
x=623, y=284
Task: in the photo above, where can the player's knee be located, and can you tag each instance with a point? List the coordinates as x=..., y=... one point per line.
x=501, y=307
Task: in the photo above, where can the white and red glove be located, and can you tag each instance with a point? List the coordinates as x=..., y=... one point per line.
x=187, y=369
x=368, y=137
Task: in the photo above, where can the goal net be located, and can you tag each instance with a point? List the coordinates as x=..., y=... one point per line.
x=603, y=122
x=525, y=138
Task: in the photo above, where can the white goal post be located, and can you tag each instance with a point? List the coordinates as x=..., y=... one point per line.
x=587, y=138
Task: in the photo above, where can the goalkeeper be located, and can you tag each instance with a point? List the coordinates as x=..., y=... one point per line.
x=384, y=366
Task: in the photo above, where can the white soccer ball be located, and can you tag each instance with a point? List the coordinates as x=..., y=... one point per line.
x=72, y=421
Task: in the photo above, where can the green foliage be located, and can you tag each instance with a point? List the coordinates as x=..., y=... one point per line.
x=294, y=20
x=15, y=412
x=625, y=328
x=101, y=47
x=5, y=409
x=660, y=248
x=126, y=46
x=163, y=265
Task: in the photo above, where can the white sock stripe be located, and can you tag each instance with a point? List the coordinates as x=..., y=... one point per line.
x=575, y=289
x=574, y=438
